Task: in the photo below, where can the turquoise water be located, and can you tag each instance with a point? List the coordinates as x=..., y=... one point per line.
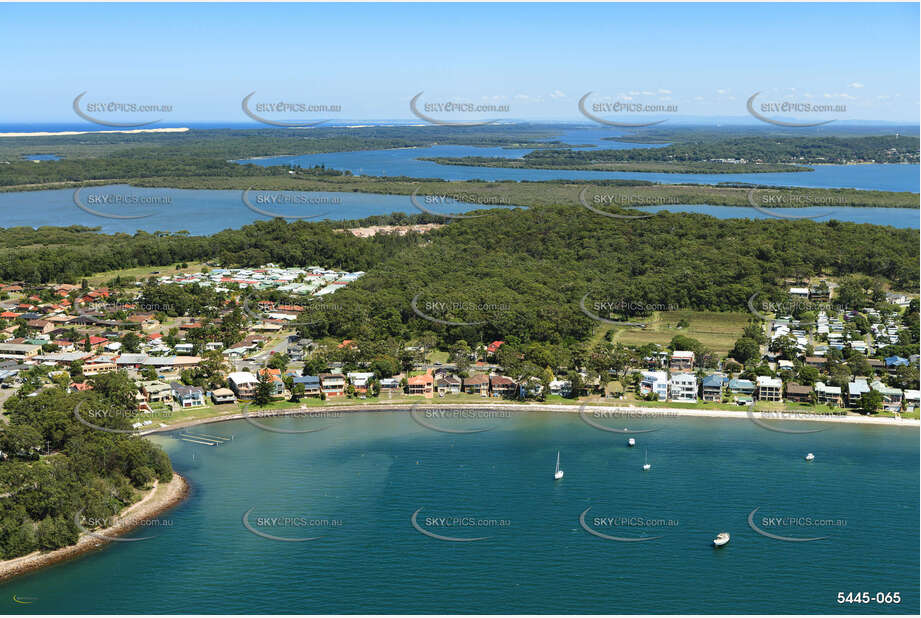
x=200, y=211
x=369, y=472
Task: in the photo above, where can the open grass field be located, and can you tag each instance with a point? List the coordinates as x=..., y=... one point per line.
x=717, y=331
x=142, y=273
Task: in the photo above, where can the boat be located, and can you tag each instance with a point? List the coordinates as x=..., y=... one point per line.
x=646, y=465
x=721, y=539
x=559, y=473
x=631, y=442
x=810, y=457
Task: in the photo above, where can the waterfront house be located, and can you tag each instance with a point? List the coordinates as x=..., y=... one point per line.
x=712, y=387
x=681, y=360
x=912, y=399
x=683, y=387
x=448, y=385
x=312, y=387
x=421, y=385
x=799, y=392
x=222, y=395
x=562, y=388
x=855, y=390
x=738, y=386
x=769, y=389
x=477, y=385
x=654, y=382
x=390, y=385
x=892, y=397
x=275, y=381
x=360, y=380
x=187, y=396
x=828, y=395
x=502, y=386
x=332, y=384
x=155, y=391
x=243, y=384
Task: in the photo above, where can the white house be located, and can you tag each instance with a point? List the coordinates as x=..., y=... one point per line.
x=683, y=387
x=655, y=382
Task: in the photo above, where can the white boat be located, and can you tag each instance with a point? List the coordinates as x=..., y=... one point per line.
x=810, y=457
x=646, y=465
x=559, y=473
x=721, y=539
x=631, y=442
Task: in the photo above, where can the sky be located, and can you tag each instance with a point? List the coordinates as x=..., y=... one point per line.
x=536, y=59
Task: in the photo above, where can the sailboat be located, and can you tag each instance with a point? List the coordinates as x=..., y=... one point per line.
x=646, y=465
x=810, y=457
x=559, y=473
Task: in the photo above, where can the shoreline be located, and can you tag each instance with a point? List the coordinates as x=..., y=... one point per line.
x=159, y=499
x=638, y=411
x=68, y=133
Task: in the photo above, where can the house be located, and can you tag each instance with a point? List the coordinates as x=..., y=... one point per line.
x=448, y=385
x=877, y=365
x=274, y=377
x=222, y=395
x=477, y=385
x=187, y=396
x=683, y=387
x=502, y=386
x=855, y=390
x=421, y=385
x=332, y=384
x=769, y=389
x=390, y=385
x=360, y=380
x=817, y=362
x=912, y=400
x=562, y=388
x=681, y=360
x=23, y=350
x=243, y=384
x=712, y=387
x=799, y=392
x=894, y=362
x=738, y=386
x=154, y=391
x=654, y=382
x=184, y=348
x=828, y=395
x=312, y=387
x=892, y=397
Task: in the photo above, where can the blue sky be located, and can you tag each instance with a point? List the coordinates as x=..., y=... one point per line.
x=538, y=59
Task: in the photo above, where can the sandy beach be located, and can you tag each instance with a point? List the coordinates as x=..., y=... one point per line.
x=64, y=133
x=159, y=499
x=625, y=410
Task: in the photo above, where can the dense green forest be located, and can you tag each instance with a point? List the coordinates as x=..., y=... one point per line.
x=54, y=467
x=528, y=267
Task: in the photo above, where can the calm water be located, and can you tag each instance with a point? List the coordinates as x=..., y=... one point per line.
x=208, y=212
x=370, y=472
x=405, y=162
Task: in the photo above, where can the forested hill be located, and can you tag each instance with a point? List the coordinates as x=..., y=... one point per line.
x=530, y=267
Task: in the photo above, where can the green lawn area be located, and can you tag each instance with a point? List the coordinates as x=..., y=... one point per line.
x=716, y=330
x=142, y=272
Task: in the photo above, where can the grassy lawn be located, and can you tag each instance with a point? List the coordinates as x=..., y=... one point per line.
x=142, y=273
x=716, y=330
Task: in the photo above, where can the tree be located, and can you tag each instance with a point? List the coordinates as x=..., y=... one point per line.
x=297, y=391
x=263, y=394
x=745, y=350
x=870, y=402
